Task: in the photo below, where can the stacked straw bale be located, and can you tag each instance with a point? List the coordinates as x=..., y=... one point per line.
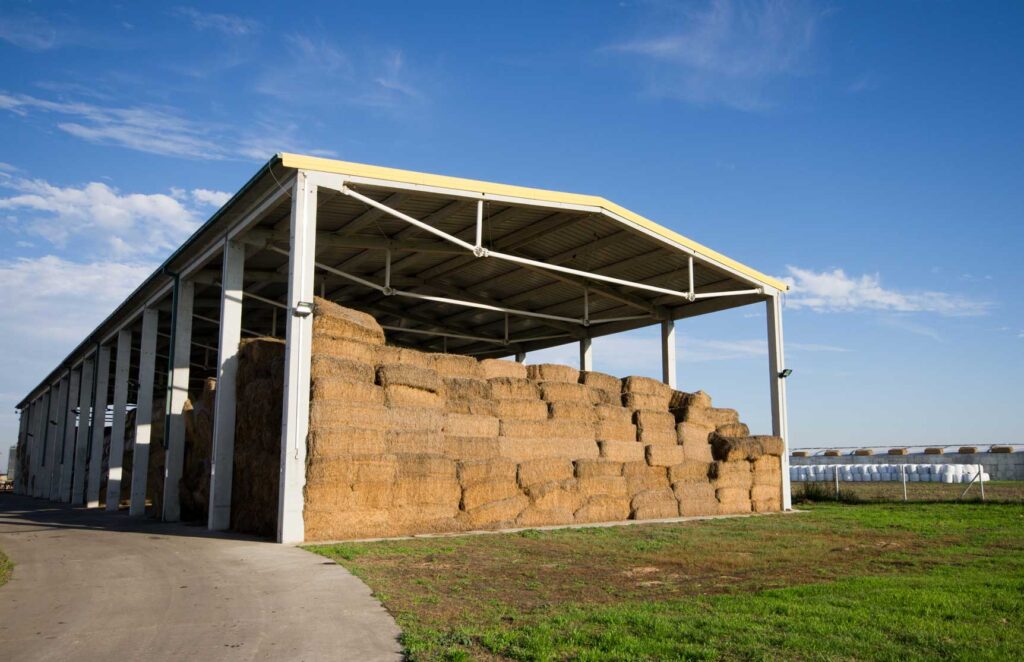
x=194, y=486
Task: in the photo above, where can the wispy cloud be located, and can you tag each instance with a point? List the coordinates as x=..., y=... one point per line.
x=33, y=33
x=733, y=53
x=829, y=291
x=212, y=198
x=227, y=24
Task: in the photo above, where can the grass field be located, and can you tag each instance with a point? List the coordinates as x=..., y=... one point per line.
x=6, y=568
x=838, y=581
x=1005, y=490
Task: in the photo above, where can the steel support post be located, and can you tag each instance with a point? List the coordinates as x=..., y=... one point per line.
x=23, y=420
x=144, y=412
x=177, y=387
x=298, y=339
x=586, y=353
x=35, y=443
x=56, y=458
x=668, y=352
x=776, y=364
x=70, y=428
x=99, y=422
x=82, y=434
x=122, y=367
x=222, y=466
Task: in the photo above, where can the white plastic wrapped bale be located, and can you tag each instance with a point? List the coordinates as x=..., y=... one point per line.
x=915, y=473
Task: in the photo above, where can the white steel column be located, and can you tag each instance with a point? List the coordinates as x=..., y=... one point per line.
x=34, y=445
x=586, y=354
x=776, y=364
x=144, y=412
x=178, y=386
x=99, y=421
x=38, y=485
x=668, y=352
x=55, y=459
x=122, y=366
x=23, y=419
x=222, y=466
x=298, y=337
x=82, y=435
x=68, y=443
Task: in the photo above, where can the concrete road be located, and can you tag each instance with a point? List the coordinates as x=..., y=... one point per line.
x=89, y=585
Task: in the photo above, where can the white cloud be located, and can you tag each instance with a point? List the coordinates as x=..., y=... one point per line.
x=728, y=52
x=101, y=218
x=228, y=24
x=33, y=33
x=212, y=198
x=834, y=290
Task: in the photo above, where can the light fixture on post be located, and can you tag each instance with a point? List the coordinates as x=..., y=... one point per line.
x=785, y=373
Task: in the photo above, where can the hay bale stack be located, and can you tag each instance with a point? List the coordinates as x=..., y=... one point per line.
x=524, y=449
x=614, y=423
x=486, y=470
x=194, y=486
x=331, y=321
x=607, y=387
x=551, y=372
x=696, y=498
x=464, y=395
x=654, y=504
x=502, y=368
x=733, y=500
x=640, y=477
x=544, y=471
x=513, y=388
x=711, y=416
x=655, y=426
x=733, y=430
x=690, y=471
x=695, y=440
x=259, y=390
x=456, y=365
x=565, y=392
x=731, y=449
x=646, y=393
x=732, y=474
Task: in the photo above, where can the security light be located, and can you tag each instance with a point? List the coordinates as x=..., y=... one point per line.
x=785, y=373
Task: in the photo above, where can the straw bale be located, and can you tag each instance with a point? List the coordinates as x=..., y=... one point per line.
x=481, y=493
x=741, y=507
x=772, y=505
x=194, y=492
x=408, y=375
x=331, y=413
x=832, y=453
x=711, y=417
x=767, y=470
x=343, y=390
x=892, y=451
x=601, y=380
x=465, y=388
x=352, y=350
x=398, y=395
x=470, y=425
x=502, y=368
x=472, y=406
x=647, y=386
x=665, y=437
x=733, y=495
x=413, y=418
x=597, y=468
x=934, y=451
x=733, y=430
x=404, y=356
x=1000, y=449
x=547, y=428
x=698, y=400
x=573, y=411
x=525, y=449
x=471, y=448
x=640, y=476
x=424, y=465
x=697, y=451
x=654, y=419
x=563, y=392
x=536, y=516
x=341, y=368
x=325, y=494
x=662, y=455
x=496, y=514
x=693, y=434
x=806, y=454
x=968, y=449
x=544, y=471
x=555, y=495
x=702, y=492
x=654, y=504
x=614, y=414
x=524, y=410
x=415, y=441
x=599, y=396
x=551, y=372
x=603, y=509
x=330, y=523
x=603, y=485
x=457, y=365
x=731, y=449
x=486, y=470
x=732, y=474
x=615, y=431
x=621, y=451
x=764, y=492
x=512, y=388
x=326, y=443
x=643, y=401
x=863, y=452
x=353, y=470
x=699, y=507
x=689, y=471
x=678, y=400
x=333, y=321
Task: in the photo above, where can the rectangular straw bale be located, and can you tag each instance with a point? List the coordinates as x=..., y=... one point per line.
x=325, y=494
x=690, y=471
x=544, y=471
x=352, y=350
x=496, y=514
x=564, y=392
x=733, y=449
x=763, y=492
x=551, y=372
x=354, y=469
x=614, y=414
x=534, y=515
x=700, y=492
x=404, y=356
x=771, y=445
x=732, y=474
x=615, y=431
x=480, y=493
x=663, y=455
x=603, y=485
x=832, y=453
x=621, y=451
x=649, y=435
x=341, y=368
x=772, y=505
x=806, y=454
x=525, y=449
x=601, y=380
x=414, y=441
x=478, y=407
x=328, y=523
x=413, y=418
x=732, y=494
x=599, y=396
x=342, y=440
x=1000, y=449
x=342, y=390
x=654, y=419
x=647, y=386
x=968, y=449
x=699, y=507
x=603, y=509
x=466, y=388
x=408, y=375
x=512, y=388
x=735, y=507
x=934, y=451
x=415, y=493
x=470, y=425
x=471, y=448
x=399, y=395
x=547, y=428
x=892, y=451
x=573, y=411
x=486, y=470
x=654, y=504
x=597, y=468
x=329, y=413
x=555, y=495
x=693, y=434
x=636, y=401
x=712, y=417
x=640, y=476
x=733, y=430
x=334, y=321
x=767, y=470
x=502, y=368
x=524, y=410
x=863, y=452
x=457, y=365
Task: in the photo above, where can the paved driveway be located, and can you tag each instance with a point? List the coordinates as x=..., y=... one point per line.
x=89, y=585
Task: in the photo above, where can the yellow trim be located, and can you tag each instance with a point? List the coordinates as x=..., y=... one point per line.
x=299, y=161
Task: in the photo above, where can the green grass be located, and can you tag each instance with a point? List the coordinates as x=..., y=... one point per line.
x=6, y=568
x=839, y=582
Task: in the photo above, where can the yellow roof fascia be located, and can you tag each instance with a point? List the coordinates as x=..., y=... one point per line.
x=301, y=162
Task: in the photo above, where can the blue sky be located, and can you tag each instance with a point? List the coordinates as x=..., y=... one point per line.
x=870, y=152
